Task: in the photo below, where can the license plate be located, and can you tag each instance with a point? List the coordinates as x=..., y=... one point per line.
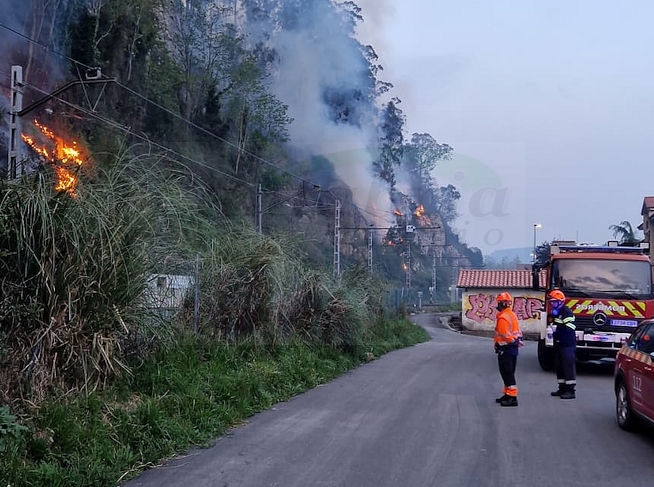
x=624, y=323
x=598, y=338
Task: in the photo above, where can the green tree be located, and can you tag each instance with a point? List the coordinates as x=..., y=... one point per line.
x=446, y=198
x=542, y=253
x=392, y=141
x=625, y=234
x=423, y=153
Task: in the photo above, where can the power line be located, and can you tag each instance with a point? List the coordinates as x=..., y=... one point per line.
x=117, y=125
x=170, y=112
x=387, y=228
x=179, y=117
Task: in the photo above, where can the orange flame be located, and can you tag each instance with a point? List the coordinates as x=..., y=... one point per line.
x=419, y=211
x=398, y=212
x=404, y=266
x=64, y=154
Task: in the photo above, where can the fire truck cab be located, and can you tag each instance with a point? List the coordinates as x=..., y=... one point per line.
x=609, y=290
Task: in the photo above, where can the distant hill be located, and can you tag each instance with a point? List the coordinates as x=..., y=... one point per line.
x=523, y=255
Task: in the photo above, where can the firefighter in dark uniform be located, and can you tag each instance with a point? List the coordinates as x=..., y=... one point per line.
x=507, y=340
x=565, y=345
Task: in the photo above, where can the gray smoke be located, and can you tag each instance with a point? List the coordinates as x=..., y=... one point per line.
x=375, y=14
x=317, y=57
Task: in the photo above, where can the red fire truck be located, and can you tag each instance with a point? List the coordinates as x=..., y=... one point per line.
x=609, y=290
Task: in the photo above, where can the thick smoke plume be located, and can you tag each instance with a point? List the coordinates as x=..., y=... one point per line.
x=321, y=73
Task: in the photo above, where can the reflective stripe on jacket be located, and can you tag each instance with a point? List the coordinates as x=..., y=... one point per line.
x=565, y=333
x=507, y=328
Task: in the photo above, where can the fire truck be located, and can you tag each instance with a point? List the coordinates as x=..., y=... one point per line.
x=609, y=290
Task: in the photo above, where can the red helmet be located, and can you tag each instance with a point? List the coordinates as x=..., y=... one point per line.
x=556, y=295
x=505, y=298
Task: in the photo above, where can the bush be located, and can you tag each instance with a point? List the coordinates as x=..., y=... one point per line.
x=9, y=427
x=74, y=270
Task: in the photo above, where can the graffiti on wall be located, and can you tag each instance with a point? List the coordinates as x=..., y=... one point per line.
x=481, y=306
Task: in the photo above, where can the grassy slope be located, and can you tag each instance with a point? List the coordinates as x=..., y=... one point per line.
x=179, y=398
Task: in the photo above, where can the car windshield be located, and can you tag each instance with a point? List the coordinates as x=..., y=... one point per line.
x=626, y=279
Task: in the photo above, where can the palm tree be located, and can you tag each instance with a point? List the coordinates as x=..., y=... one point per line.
x=625, y=233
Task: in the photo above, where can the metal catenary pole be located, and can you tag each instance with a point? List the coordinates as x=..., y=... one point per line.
x=259, y=211
x=370, y=251
x=16, y=162
x=337, y=240
x=196, y=311
x=408, y=267
x=433, y=274
x=15, y=157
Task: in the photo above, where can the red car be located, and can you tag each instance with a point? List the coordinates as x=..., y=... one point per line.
x=634, y=377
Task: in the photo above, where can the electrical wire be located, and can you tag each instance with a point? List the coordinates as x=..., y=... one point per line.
x=161, y=107
x=118, y=126
x=242, y=150
x=177, y=116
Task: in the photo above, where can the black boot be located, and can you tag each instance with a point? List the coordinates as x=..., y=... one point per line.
x=559, y=392
x=510, y=401
x=500, y=399
x=569, y=392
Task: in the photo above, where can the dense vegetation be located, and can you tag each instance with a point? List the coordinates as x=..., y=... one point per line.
x=204, y=103
x=103, y=383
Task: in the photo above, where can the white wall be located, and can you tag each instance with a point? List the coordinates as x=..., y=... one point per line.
x=167, y=290
x=479, y=312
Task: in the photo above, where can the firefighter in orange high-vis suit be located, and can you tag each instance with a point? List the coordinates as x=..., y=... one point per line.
x=508, y=338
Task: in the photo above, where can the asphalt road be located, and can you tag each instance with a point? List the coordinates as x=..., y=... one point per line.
x=426, y=416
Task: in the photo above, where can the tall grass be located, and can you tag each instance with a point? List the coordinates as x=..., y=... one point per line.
x=254, y=285
x=181, y=396
x=73, y=271
x=74, y=320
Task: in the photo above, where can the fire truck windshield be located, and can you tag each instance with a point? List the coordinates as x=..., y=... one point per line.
x=626, y=279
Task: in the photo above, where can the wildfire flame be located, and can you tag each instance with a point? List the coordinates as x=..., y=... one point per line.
x=398, y=212
x=64, y=155
x=419, y=211
x=404, y=266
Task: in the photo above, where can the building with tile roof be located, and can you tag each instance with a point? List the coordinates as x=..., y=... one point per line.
x=480, y=290
x=647, y=212
x=497, y=279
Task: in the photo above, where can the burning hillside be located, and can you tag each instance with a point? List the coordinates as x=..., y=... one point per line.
x=65, y=156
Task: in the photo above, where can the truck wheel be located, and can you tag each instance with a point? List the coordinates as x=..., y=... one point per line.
x=623, y=410
x=545, y=356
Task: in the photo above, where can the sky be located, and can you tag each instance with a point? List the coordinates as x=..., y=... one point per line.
x=548, y=105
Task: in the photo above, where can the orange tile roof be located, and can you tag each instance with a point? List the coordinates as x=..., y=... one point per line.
x=504, y=279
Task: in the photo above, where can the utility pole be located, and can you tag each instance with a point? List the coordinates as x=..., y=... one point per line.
x=15, y=156
x=408, y=268
x=433, y=274
x=370, y=250
x=17, y=112
x=455, y=274
x=337, y=240
x=196, y=310
x=259, y=212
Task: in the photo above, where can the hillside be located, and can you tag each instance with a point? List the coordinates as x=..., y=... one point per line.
x=206, y=93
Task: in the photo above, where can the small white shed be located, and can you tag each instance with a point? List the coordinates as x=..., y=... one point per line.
x=167, y=291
